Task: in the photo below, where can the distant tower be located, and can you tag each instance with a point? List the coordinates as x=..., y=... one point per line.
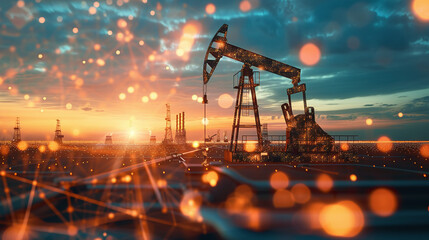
x=17, y=132
x=183, y=129
x=152, y=140
x=168, y=138
x=180, y=129
x=108, y=140
x=58, y=136
x=218, y=136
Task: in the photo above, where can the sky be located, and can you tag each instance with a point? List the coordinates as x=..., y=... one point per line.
x=110, y=66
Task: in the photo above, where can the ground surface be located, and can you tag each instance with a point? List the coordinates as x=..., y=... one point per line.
x=128, y=192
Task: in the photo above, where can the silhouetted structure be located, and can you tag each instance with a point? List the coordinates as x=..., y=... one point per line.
x=168, y=138
x=152, y=140
x=108, y=140
x=17, y=132
x=303, y=133
x=225, y=138
x=218, y=136
x=58, y=136
x=180, y=129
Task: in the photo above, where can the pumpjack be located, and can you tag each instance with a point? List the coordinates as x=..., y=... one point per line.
x=303, y=134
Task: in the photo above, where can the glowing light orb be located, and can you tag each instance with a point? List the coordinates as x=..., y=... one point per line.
x=130, y=89
x=421, y=9
x=69, y=106
x=42, y=20
x=225, y=100
x=180, y=52
x=384, y=144
x=26, y=96
x=301, y=193
x=353, y=177
x=210, y=8
x=324, y=182
x=369, y=121
x=109, y=32
x=92, y=10
x=97, y=47
x=283, y=198
x=205, y=121
x=76, y=132
x=42, y=148
x=199, y=99
x=153, y=95
x=383, y=202
x=250, y=146
x=152, y=13
x=151, y=57
x=122, y=96
x=118, y=52
x=122, y=23
x=190, y=205
x=279, y=180
x=343, y=219
x=195, y=144
x=75, y=30
x=101, y=62
x=141, y=42
x=194, y=97
x=245, y=6
x=211, y=178
x=53, y=146
x=310, y=54
x=424, y=150
x=20, y=3
x=22, y=146
x=344, y=147
x=40, y=56
x=400, y=114
x=96, y=4
x=145, y=99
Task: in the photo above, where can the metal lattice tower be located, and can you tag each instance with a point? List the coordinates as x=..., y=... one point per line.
x=168, y=138
x=246, y=83
x=17, y=132
x=58, y=136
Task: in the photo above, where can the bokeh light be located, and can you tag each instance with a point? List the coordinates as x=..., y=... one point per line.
x=324, y=182
x=210, y=8
x=225, y=100
x=153, y=95
x=342, y=219
x=353, y=177
x=424, y=150
x=195, y=144
x=245, y=6
x=279, y=180
x=301, y=193
x=384, y=144
x=400, y=114
x=369, y=121
x=283, y=198
x=421, y=9
x=190, y=205
x=309, y=54
x=122, y=96
x=383, y=202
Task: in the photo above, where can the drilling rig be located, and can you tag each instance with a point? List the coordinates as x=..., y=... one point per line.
x=58, y=136
x=303, y=134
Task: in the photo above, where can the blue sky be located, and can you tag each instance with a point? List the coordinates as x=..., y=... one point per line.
x=374, y=64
